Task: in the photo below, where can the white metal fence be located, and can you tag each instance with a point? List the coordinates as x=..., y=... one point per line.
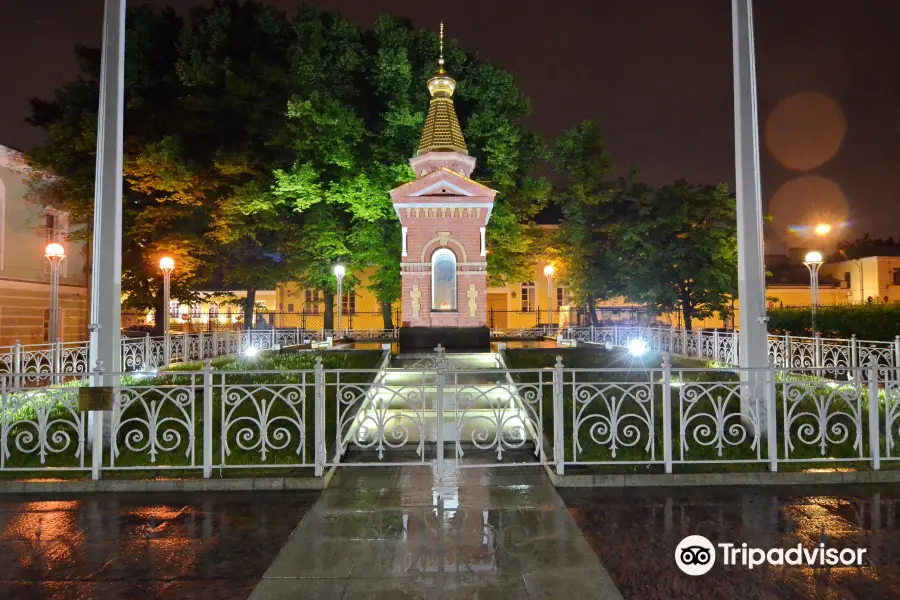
x=37, y=362
x=562, y=417
x=722, y=346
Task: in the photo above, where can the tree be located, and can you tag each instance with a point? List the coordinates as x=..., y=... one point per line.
x=679, y=249
x=267, y=153
x=589, y=204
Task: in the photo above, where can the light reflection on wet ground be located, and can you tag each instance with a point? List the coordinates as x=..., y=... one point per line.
x=201, y=546
x=635, y=531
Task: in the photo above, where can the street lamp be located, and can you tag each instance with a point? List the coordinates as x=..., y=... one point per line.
x=813, y=262
x=166, y=264
x=822, y=229
x=55, y=253
x=548, y=273
x=339, y=272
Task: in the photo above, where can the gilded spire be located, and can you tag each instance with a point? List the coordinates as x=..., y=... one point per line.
x=442, y=132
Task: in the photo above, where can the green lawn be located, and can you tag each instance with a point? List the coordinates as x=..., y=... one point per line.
x=708, y=397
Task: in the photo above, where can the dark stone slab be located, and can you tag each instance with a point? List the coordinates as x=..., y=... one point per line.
x=475, y=339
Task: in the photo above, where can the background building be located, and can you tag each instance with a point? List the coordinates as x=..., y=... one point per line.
x=26, y=228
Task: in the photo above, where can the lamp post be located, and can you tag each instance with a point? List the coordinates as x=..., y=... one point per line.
x=339, y=272
x=813, y=262
x=548, y=273
x=55, y=253
x=166, y=264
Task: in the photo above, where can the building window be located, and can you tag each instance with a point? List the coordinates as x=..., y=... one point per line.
x=196, y=311
x=443, y=280
x=348, y=306
x=290, y=308
x=173, y=308
x=213, y=311
x=229, y=311
x=46, y=335
x=562, y=296
x=896, y=276
x=311, y=301
x=528, y=303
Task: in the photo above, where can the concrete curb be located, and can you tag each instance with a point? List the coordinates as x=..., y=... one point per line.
x=166, y=485
x=706, y=479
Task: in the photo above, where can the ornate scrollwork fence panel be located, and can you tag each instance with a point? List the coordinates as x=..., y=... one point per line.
x=133, y=358
x=155, y=425
x=492, y=413
x=387, y=415
x=40, y=428
x=776, y=351
x=612, y=421
x=712, y=416
x=266, y=423
x=891, y=411
x=822, y=420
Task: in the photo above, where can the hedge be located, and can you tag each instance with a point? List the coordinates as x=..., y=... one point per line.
x=867, y=321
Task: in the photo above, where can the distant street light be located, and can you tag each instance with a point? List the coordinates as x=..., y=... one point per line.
x=166, y=264
x=813, y=262
x=55, y=253
x=339, y=272
x=548, y=273
x=822, y=229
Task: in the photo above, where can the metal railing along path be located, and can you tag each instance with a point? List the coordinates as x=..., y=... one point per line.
x=666, y=417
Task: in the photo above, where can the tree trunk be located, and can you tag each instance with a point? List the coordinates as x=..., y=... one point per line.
x=686, y=311
x=592, y=312
x=329, y=310
x=162, y=312
x=386, y=314
x=249, y=304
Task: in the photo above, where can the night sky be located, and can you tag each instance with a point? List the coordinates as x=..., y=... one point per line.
x=655, y=74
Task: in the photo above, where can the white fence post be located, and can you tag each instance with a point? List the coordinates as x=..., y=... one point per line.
x=215, y=343
x=854, y=352
x=57, y=360
x=96, y=417
x=200, y=346
x=207, y=419
x=716, y=353
x=672, y=339
x=817, y=347
x=874, y=437
x=439, y=410
x=770, y=400
x=167, y=350
x=615, y=335
x=698, y=337
x=147, y=364
x=667, y=412
x=684, y=343
x=319, y=415
x=559, y=431
x=788, y=361
x=185, y=347
x=896, y=352
x=17, y=363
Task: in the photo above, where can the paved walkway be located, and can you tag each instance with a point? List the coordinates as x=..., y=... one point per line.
x=394, y=533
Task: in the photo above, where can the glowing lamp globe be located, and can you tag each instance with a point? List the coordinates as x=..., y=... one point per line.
x=637, y=347
x=54, y=250
x=339, y=271
x=822, y=229
x=814, y=257
x=548, y=270
x=166, y=263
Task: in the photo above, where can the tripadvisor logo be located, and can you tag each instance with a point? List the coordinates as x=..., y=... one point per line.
x=696, y=555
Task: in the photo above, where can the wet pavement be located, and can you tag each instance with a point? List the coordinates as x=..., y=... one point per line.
x=145, y=546
x=635, y=532
x=396, y=533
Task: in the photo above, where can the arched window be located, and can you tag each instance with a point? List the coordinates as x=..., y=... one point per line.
x=443, y=280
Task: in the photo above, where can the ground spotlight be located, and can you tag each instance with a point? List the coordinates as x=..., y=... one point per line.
x=608, y=345
x=637, y=347
x=251, y=351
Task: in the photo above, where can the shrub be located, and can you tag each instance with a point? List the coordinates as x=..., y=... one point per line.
x=867, y=321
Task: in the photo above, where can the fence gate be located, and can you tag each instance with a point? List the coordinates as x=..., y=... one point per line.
x=426, y=410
